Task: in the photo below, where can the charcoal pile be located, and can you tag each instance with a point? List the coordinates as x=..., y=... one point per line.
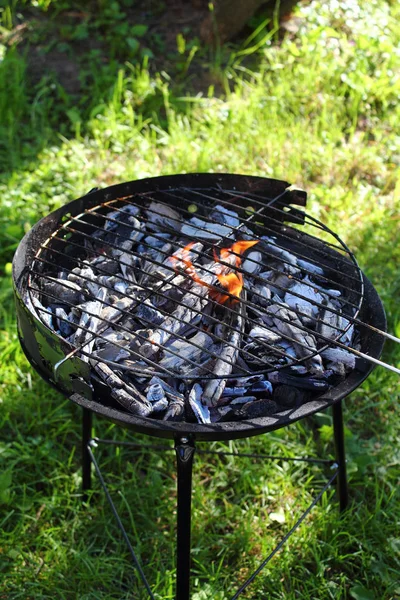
x=198, y=318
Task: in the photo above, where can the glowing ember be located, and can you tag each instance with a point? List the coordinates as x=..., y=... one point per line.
x=231, y=282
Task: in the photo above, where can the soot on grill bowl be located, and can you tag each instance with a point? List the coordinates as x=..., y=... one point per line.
x=211, y=312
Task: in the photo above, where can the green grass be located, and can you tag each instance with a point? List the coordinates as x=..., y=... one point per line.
x=319, y=109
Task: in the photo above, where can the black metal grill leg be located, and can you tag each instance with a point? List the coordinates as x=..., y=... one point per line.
x=185, y=449
x=86, y=461
x=340, y=454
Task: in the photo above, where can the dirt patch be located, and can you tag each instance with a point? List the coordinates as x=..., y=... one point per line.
x=176, y=35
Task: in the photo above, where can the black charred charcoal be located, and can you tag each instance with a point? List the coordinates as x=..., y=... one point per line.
x=304, y=382
x=289, y=396
x=254, y=410
x=190, y=417
x=63, y=290
x=105, y=265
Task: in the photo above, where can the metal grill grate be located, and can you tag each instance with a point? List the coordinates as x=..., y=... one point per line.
x=328, y=263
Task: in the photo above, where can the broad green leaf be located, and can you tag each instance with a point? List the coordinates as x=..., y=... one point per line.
x=139, y=30
x=133, y=44
x=359, y=592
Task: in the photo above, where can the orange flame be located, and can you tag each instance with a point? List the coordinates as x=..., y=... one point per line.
x=231, y=282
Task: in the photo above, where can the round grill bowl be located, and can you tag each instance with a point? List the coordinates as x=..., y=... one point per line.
x=45, y=349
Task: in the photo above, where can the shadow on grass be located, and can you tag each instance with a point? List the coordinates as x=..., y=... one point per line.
x=62, y=63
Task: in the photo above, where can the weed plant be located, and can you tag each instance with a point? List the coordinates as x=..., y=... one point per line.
x=318, y=108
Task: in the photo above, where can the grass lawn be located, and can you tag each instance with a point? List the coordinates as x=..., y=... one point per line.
x=318, y=108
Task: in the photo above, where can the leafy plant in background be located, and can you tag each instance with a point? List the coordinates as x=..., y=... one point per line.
x=186, y=53
x=123, y=38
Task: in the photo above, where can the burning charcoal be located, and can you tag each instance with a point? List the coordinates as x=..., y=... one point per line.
x=309, y=267
x=191, y=307
x=63, y=290
x=223, y=215
x=331, y=293
x=255, y=410
x=137, y=367
x=115, y=312
x=129, y=265
x=145, y=300
x=246, y=233
x=261, y=294
x=63, y=274
x=89, y=324
x=161, y=216
x=36, y=307
x=258, y=352
x=217, y=414
x=297, y=370
x=262, y=386
x=157, y=242
x=155, y=393
x=180, y=259
x=112, y=353
x=147, y=313
x=247, y=381
x=196, y=228
x=289, y=327
x=347, y=337
x=150, y=267
x=113, y=336
x=130, y=402
x=288, y=396
x=201, y=412
x=170, y=392
x=122, y=221
x=124, y=236
x=234, y=391
x=166, y=249
x=121, y=287
x=332, y=322
x=85, y=279
x=63, y=322
x=262, y=333
x=276, y=282
x=306, y=316
x=105, y=265
x=224, y=365
x=195, y=349
x=339, y=360
x=138, y=339
x=204, y=369
x=288, y=348
x=289, y=260
x=170, y=292
x=175, y=411
x=243, y=399
x=126, y=395
x=160, y=405
x=121, y=215
x=253, y=263
x=308, y=306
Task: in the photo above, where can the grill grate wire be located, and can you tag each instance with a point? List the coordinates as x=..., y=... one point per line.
x=348, y=260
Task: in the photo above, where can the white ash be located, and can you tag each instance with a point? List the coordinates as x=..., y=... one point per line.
x=142, y=307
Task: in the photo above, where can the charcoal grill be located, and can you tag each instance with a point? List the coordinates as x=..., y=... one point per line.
x=269, y=206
